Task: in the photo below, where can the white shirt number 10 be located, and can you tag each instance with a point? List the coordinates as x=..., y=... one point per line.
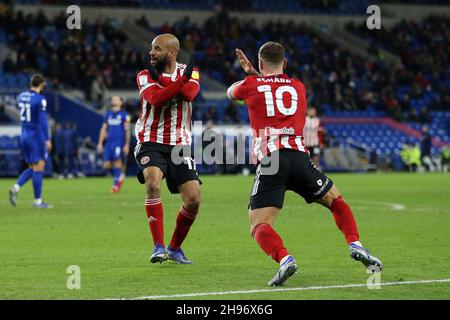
x=270, y=105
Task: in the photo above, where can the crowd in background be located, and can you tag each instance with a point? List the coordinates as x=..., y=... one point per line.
x=333, y=75
x=91, y=59
x=98, y=57
x=424, y=51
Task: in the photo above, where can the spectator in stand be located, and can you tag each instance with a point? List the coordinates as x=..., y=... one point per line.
x=405, y=103
x=98, y=88
x=424, y=116
x=54, y=67
x=8, y=63
x=413, y=115
x=231, y=115
x=393, y=107
x=210, y=115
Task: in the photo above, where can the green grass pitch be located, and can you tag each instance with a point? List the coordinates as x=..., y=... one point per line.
x=404, y=219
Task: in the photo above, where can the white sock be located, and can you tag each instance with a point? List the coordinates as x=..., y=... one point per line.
x=284, y=259
x=37, y=201
x=16, y=187
x=357, y=243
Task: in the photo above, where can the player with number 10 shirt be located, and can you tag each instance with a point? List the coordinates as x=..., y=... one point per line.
x=277, y=110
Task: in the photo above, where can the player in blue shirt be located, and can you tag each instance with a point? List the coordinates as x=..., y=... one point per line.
x=116, y=131
x=35, y=139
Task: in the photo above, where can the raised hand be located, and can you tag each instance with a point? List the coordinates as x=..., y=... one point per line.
x=154, y=74
x=245, y=63
x=189, y=69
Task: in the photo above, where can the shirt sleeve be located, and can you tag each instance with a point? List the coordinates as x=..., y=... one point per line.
x=156, y=94
x=238, y=90
x=192, y=87
x=43, y=119
x=105, y=118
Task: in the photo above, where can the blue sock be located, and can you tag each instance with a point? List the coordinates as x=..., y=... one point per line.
x=24, y=177
x=116, y=175
x=37, y=184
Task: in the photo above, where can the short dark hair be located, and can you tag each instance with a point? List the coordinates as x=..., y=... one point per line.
x=36, y=80
x=272, y=52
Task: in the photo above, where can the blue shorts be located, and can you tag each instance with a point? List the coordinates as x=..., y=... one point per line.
x=112, y=152
x=33, y=149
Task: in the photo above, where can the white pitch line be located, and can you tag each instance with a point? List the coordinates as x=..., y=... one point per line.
x=343, y=286
x=393, y=206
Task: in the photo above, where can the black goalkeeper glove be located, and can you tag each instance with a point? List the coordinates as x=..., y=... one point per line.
x=189, y=69
x=154, y=74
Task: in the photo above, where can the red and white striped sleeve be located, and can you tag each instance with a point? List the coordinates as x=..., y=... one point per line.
x=156, y=94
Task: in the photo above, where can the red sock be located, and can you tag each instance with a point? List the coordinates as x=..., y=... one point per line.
x=269, y=241
x=154, y=210
x=185, y=220
x=344, y=219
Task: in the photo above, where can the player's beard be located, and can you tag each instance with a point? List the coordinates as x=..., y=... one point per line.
x=161, y=64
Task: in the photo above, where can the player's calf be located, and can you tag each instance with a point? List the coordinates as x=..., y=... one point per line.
x=152, y=188
x=345, y=221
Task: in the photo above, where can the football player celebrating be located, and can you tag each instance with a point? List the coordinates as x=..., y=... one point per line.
x=277, y=109
x=35, y=140
x=167, y=89
x=116, y=131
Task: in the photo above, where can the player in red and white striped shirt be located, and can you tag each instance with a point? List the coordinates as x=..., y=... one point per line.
x=277, y=109
x=313, y=135
x=167, y=89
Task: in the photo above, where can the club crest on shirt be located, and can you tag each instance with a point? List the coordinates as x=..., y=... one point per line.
x=145, y=160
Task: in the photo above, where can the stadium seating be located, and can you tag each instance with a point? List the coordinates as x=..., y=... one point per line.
x=10, y=158
x=439, y=125
x=423, y=51
x=14, y=80
x=287, y=6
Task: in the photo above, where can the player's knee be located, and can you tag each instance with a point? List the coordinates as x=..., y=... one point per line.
x=192, y=202
x=153, y=189
x=328, y=199
x=256, y=217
